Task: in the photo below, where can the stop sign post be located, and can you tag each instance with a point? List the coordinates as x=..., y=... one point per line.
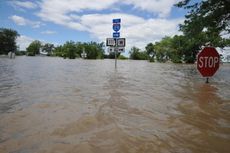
x=208, y=62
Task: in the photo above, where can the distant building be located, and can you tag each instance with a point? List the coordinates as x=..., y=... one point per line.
x=11, y=55
x=42, y=52
x=224, y=53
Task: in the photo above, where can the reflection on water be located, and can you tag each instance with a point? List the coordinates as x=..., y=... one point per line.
x=55, y=105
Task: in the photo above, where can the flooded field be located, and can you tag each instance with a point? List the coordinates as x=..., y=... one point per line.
x=52, y=105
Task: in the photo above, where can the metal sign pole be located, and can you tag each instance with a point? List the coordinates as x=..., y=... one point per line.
x=115, y=54
x=207, y=80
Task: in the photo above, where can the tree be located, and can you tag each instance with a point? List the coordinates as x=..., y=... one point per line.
x=94, y=50
x=122, y=57
x=112, y=55
x=206, y=21
x=163, y=49
x=72, y=50
x=137, y=54
x=178, y=49
x=33, y=48
x=8, y=40
x=69, y=50
x=150, y=51
x=58, y=51
x=211, y=15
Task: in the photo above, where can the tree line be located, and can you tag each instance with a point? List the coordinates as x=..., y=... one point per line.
x=69, y=49
x=206, y=22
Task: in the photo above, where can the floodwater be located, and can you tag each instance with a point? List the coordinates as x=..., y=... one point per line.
x=52, y=105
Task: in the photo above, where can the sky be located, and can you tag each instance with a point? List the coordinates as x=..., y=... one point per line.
x=58, y=21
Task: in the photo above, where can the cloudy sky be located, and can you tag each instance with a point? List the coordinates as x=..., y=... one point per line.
x=57, y=21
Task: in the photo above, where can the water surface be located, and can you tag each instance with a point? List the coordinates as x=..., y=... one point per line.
x=56, y=105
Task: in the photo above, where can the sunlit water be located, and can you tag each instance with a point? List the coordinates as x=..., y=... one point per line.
x=52, y=105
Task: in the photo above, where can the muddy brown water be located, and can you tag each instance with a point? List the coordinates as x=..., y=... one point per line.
x=52, y=105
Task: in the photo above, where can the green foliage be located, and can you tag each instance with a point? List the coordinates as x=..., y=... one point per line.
x=205, y=22
x=94, y=50
x=214, y=15
x=20, y=53
x=122, y=57
x=8, y=40
x=137, y=54
x=111, y=55
x=163, y=49
x=176, y=49
x=69, y=50
x=150, y=51
x=58, y=51
x=34, y=48
x=73, y=50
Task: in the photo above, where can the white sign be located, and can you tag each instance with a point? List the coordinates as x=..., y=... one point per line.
x=110, y=42
x=119, y=49
x=110, y=49
x=121, y=42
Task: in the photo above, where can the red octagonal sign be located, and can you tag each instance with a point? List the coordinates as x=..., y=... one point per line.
x=208, y=61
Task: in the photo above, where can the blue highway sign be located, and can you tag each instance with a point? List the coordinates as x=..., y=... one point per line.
x=116, y=34
x=116, y=20
x=116, y=27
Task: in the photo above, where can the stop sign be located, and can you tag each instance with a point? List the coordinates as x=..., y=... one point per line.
x=208, y=61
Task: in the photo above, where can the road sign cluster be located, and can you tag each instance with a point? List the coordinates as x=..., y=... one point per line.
x=116, y=44
x=112, y=42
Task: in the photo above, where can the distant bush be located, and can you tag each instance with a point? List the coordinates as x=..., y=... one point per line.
x=20, y=53
x=122, y=57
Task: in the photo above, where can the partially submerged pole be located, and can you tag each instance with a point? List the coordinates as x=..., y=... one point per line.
x=207, y=80
x=115, y=50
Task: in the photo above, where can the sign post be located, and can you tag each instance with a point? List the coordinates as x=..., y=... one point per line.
x=116, y=34
x=208, y=62
x=116, y=44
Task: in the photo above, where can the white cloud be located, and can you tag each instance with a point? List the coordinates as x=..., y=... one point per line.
x=24, y=41
x=23, y=22
x=49, y=32
x=23, y=4
x=137, y=30
x=161, y=8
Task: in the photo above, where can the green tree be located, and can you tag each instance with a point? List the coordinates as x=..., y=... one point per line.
x=177, y=48
x=163, y=49
x=150, y=51
x=33, y=48
x=122, y=57
x=213, y=15
x=72, y=50
x=205, y=22
x=58, y=51
x=137, y=54
x=112, y=55
x=8, y=40
x=69, y=50
x=94, y=50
